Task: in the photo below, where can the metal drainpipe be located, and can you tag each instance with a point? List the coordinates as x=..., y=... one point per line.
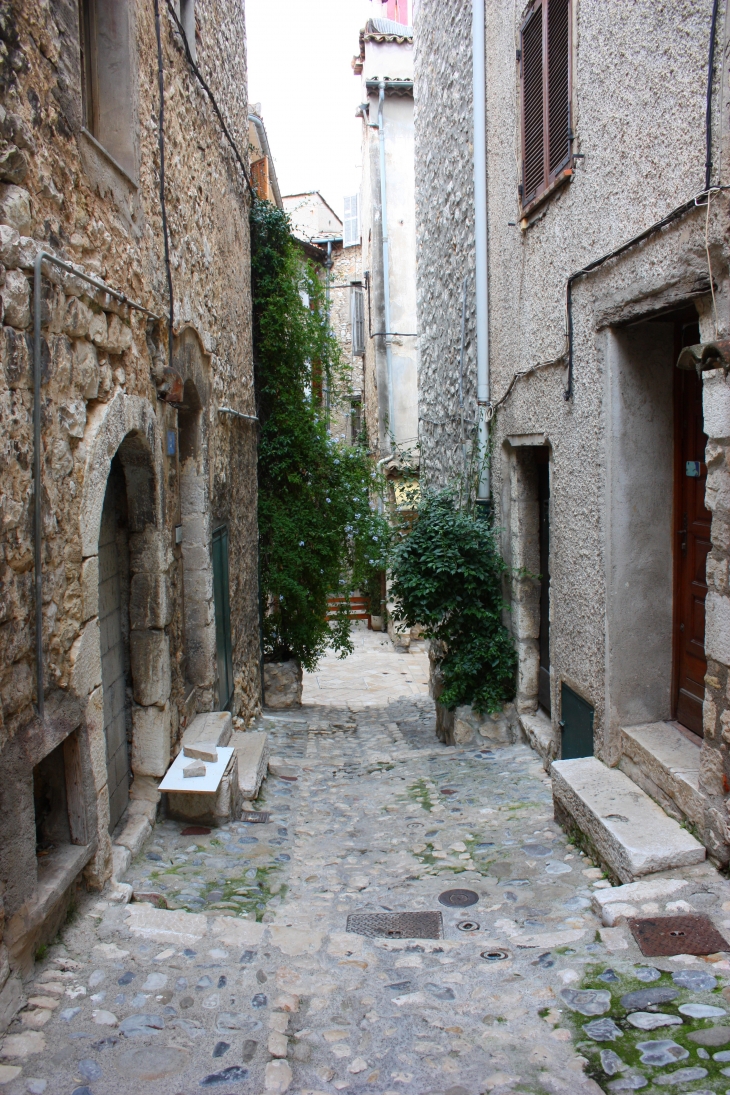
x=479, y=95
x=386, y=258
x=41, y=257
x=328, y=268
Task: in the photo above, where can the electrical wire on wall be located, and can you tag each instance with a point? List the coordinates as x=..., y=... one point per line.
x=163, y=206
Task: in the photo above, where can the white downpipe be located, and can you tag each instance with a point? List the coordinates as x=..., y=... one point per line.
x=386, y=257
x=479, y=94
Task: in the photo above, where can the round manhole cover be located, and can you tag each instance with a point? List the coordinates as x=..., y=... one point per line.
x=458, y=899
x=495, y=956
x=468, y=926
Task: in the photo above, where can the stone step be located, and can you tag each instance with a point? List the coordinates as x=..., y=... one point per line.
x=214, y=727
x=666, y=764
x=252, y=751
x=631, y=834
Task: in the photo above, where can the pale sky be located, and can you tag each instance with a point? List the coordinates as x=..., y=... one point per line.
x=299, y=69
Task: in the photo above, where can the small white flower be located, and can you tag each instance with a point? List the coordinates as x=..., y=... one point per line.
x=328, y=499
x=301, y=542
x=357, y=515
x=336, y=461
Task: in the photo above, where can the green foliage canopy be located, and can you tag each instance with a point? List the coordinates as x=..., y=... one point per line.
x=447, y=576
x=317, y=532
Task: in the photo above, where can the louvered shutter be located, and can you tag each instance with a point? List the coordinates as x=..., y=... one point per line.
x=546, y=89
x=351, y=227
x=558, y=51
x=357, y=316
x=533, y=125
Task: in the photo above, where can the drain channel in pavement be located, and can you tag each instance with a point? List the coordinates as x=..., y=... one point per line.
x=406, y=925
x=668, y=935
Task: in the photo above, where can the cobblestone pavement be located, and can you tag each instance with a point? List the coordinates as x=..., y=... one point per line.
x=374, y=676
x=249, y=981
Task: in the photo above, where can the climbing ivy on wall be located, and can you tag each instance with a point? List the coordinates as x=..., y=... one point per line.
x=318, y=532
x=447, y=576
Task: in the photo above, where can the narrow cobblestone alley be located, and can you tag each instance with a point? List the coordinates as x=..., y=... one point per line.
x=249, y=981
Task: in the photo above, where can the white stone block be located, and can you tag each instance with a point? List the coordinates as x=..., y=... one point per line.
x=121, y=858
x=16, y=299
x=150, y=656
x=135, y=833
x=90, y=587
x=717, y=627
x=15, y=208
x=96, y=737
x=716, y=405
x=151, y=740
x=85, y=660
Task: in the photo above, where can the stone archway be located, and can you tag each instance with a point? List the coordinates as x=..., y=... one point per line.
x=124, y=459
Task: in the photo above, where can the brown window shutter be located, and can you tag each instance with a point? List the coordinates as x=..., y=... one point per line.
x=533, y=124
x=558, y=52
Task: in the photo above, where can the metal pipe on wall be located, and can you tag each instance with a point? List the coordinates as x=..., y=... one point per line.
x=479, y=95
x=41, y=257
x=386, y=257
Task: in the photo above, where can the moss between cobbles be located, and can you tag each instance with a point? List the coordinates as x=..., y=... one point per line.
x=419, y=793
x=625, y=1046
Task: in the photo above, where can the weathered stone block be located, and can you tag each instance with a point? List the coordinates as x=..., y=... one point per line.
x=85, y=660
x=150, y=657
x=134, y=833
x=716, y=405
x=213, y=726
x=470, y=726
x=77, y=318
x=717, y=627
x=16, y=359
x=283, y=684
x=86, y=369
x=121, y=858
x=9, y=246
x=96, y=737
x=16, y=299
x=90, y=587
x=11, y=1000
x=151, y=740
x=711, y=771
x=193, y=494
x=98, y=329
x=15, y=208
x=214, y=808
x=16, y=688
x=72, y=417
x=150, y=603
x=119, y=336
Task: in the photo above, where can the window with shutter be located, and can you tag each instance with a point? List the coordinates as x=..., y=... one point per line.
x=351, y=227
x=546, y=90
x=357, y=316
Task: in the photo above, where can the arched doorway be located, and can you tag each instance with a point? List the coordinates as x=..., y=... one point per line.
x=114, y=637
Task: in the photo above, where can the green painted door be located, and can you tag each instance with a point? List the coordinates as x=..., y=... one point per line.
x=577, y=725
x=222, y=617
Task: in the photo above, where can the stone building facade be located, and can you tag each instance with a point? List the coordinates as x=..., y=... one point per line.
x=148, y=578
x=598, y=459
x=390, y=397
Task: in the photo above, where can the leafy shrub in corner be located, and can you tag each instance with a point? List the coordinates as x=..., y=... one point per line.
x=317, y=532
x=447, y=576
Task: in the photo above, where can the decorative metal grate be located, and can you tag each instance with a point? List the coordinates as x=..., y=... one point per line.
x=255, y=817
x=406, y=925
x=667, y=935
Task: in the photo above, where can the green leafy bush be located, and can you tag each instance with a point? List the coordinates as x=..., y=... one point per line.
x=317, y=532
x=447, y=576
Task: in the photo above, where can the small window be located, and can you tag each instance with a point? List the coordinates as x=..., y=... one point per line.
x=357, y=317
x=546, y=91
x=106, y=75
x=351, y=227
x=260, y=178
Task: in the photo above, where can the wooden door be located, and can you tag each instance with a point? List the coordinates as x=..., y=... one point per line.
x=692, y=544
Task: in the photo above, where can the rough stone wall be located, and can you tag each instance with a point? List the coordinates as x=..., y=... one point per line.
x=621, y=103
x=444, y=232
x=101, y=364
x=346, y=267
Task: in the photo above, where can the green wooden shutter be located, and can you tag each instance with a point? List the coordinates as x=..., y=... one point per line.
x=577, y=725
x=222, y=617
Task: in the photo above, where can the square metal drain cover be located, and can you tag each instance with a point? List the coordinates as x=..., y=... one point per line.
x=667, y=935
x=406, y=925
x=255, y=817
